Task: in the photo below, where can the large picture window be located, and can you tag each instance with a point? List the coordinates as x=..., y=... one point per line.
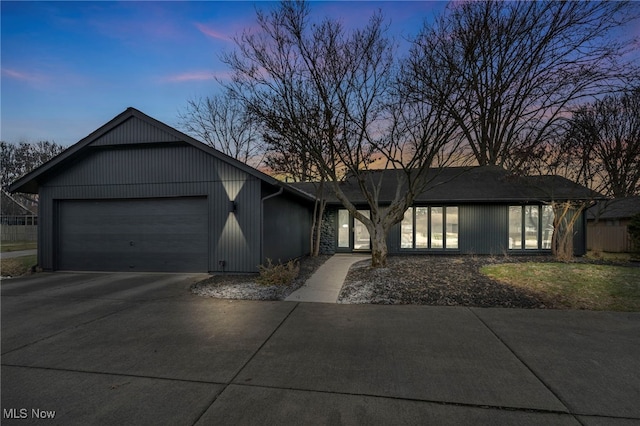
x=530, y=227
x=430, y=228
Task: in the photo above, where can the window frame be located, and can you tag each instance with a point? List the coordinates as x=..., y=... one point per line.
x=524, y=218
x=429, y=229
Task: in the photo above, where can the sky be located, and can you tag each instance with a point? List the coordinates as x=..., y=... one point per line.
x=69, y=67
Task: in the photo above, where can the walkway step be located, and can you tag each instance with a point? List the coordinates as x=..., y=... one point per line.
x=325, y=284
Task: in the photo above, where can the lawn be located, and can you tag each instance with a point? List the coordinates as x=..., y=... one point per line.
x=7, y=246
x=574, y=285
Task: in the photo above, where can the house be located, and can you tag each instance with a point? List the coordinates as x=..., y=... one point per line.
x=465, y=210
x=607, y=224
x=138, y=195
x=18, y=218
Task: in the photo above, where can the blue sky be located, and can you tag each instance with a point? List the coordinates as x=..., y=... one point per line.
x=69, y=67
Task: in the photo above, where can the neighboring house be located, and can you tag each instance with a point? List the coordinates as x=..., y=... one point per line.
x=138, y=195
x=472, y=210
x=607, y=224
x=18, y=219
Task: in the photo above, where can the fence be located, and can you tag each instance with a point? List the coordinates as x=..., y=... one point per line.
x=613, y=239
x=19, y=228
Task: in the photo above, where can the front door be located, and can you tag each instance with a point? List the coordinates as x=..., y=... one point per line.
x=352, y=234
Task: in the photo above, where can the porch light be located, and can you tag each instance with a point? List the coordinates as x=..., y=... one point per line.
x=233, y=207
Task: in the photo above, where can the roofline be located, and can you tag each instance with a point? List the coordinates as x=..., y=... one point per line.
x=127, y=114
x=472, y=201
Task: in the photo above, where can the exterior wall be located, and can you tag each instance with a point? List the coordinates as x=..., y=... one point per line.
x=483, y=229
x=286, y=229
x=328, y=235
x=156, y=171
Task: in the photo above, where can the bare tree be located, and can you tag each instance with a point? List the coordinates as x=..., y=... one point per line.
x=509, y=70
x=19, y=159
x=604, y=137
x=221, y=121
x=335, y=96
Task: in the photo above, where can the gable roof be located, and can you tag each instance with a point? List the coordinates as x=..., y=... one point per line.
x=149, y=131
x=468, y=185
x=618, y=208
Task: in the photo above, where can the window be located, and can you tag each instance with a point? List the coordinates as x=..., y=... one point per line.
x=436, y=227
x=452, y=228
x=429, y=228
x=530, y=227
x=343, y=228
x=547, y=227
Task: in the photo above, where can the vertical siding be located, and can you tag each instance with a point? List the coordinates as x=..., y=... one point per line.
x=483, y=229
x=163, y=171
x=286, y=229
x=134, y=131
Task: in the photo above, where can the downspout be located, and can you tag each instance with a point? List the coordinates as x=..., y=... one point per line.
x=280, y=191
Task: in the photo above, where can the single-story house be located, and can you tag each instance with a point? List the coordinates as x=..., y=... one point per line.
x=138, y=195
x=465, y=210
x=607, y=224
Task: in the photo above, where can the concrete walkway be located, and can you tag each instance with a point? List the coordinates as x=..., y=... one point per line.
x=325, y=284
x=20, y=253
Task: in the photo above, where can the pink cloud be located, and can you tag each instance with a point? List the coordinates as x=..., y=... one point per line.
x=197, y=76
x=211, y=32
x=23, y=76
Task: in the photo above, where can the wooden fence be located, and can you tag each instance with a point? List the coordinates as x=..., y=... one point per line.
x=19, y=228
x=612, y=239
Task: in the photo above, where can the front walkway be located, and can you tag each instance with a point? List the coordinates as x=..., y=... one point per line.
x=325, y=284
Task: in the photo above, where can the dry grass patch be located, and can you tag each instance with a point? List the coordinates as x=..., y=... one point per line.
x=574, y=285
x=17, y=266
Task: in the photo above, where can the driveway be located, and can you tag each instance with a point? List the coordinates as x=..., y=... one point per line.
x=140, y=349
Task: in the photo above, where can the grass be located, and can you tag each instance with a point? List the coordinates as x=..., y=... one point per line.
x=574, y=285
x=17, y=266
x=7, y=246
x=609, y=257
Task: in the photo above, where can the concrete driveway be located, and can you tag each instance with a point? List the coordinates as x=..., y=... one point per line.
x=139, y=349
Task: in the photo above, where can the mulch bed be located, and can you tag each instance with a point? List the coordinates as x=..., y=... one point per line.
x=438, y=280
x=244, y=286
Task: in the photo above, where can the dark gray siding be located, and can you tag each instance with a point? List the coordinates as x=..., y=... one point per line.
x=580, y=236
x=147, y=234
x=157, y=171
x=286, y=229
x=483, y=229
x=134, y=131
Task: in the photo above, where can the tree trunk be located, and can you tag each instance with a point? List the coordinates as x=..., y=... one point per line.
x=379, y=247
x=566, y=214
x=319, y=220
x=316, y=224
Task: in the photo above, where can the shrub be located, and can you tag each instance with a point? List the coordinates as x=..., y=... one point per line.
x=17, y=266
x=281, y=274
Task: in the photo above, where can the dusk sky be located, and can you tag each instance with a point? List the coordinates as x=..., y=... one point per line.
x=69, y=67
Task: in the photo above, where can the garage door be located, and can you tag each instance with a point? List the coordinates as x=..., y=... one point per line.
x=164, y=235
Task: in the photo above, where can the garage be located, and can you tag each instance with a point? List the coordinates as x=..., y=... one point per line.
x=138, y=195
x=160, y=234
